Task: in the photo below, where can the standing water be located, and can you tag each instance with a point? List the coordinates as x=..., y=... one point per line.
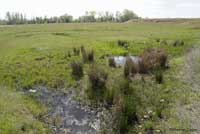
x=67, y=115
x=121, y=60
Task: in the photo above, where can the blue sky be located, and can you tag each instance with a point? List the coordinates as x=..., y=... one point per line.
x=144, y=8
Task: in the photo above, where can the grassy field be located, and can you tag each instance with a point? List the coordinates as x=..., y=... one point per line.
x=39, y=55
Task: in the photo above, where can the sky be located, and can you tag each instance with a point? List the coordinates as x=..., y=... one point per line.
x=144, y=8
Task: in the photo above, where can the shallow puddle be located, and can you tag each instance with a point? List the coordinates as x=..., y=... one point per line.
x=67, y=115
x=121, y=60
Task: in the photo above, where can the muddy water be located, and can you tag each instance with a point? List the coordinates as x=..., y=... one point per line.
x=67, y=115
x=120, y=60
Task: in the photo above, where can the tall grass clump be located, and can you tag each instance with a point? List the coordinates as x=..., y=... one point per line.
x=126, y=106
x=76, y=51
x=97, y=77
x=178, y=43
x=91, y=56
x=77, y=69
x=111, y=62
x=122, y=43
x=153, y=58
x=88, y=56
x=128, y=116
x=130, y=68
x=97, y=80
x=159, y=76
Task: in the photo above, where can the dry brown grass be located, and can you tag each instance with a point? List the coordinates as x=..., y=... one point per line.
x=153, y=58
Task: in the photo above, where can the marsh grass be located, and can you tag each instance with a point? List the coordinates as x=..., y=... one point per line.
x=87, y=56
x=130, y=68
x=77, y=69
x=111, y=62
x=18, y=113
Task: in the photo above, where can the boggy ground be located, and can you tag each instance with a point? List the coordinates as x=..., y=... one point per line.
x=36, y=55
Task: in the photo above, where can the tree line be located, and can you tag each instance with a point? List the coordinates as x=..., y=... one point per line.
x=89, y=16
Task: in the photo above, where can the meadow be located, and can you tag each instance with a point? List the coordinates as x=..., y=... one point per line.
x=41, y=54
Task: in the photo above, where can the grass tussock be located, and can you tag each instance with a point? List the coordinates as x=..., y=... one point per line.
x=130, y=68
x=159, y=76
x=97, y=85
x=76, y=51
x=123, y=43
x=178, y=43
x=153, y=58
x=87, y=56
x=97, y=77
x=111, y=62
x=77, y=69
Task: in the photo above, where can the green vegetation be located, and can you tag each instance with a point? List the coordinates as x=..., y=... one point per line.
x=34, y=55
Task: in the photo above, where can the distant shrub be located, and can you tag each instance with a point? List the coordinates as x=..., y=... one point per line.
x=97, y=77
x=157, y=40
x=77, y=69
x=76, y=51
x=87, y=56
x=122, y=43
x=69, y=54
x=39, y=58
x=130, y=68
x=178, y=43
x=153, y=58
x=111, y=62
x=163, y=42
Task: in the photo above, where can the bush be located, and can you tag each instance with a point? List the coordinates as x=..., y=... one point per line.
x=153, y=58
x=130, y=68
x=77, y=69
x=111, y=62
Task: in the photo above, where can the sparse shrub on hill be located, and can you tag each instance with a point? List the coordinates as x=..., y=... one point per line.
x=77, y=69
x=153, y=58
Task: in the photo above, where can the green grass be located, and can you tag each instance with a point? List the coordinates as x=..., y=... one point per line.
x=18, y=113
x=21, y=47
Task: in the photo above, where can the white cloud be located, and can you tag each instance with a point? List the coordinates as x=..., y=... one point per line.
x=145, y=8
